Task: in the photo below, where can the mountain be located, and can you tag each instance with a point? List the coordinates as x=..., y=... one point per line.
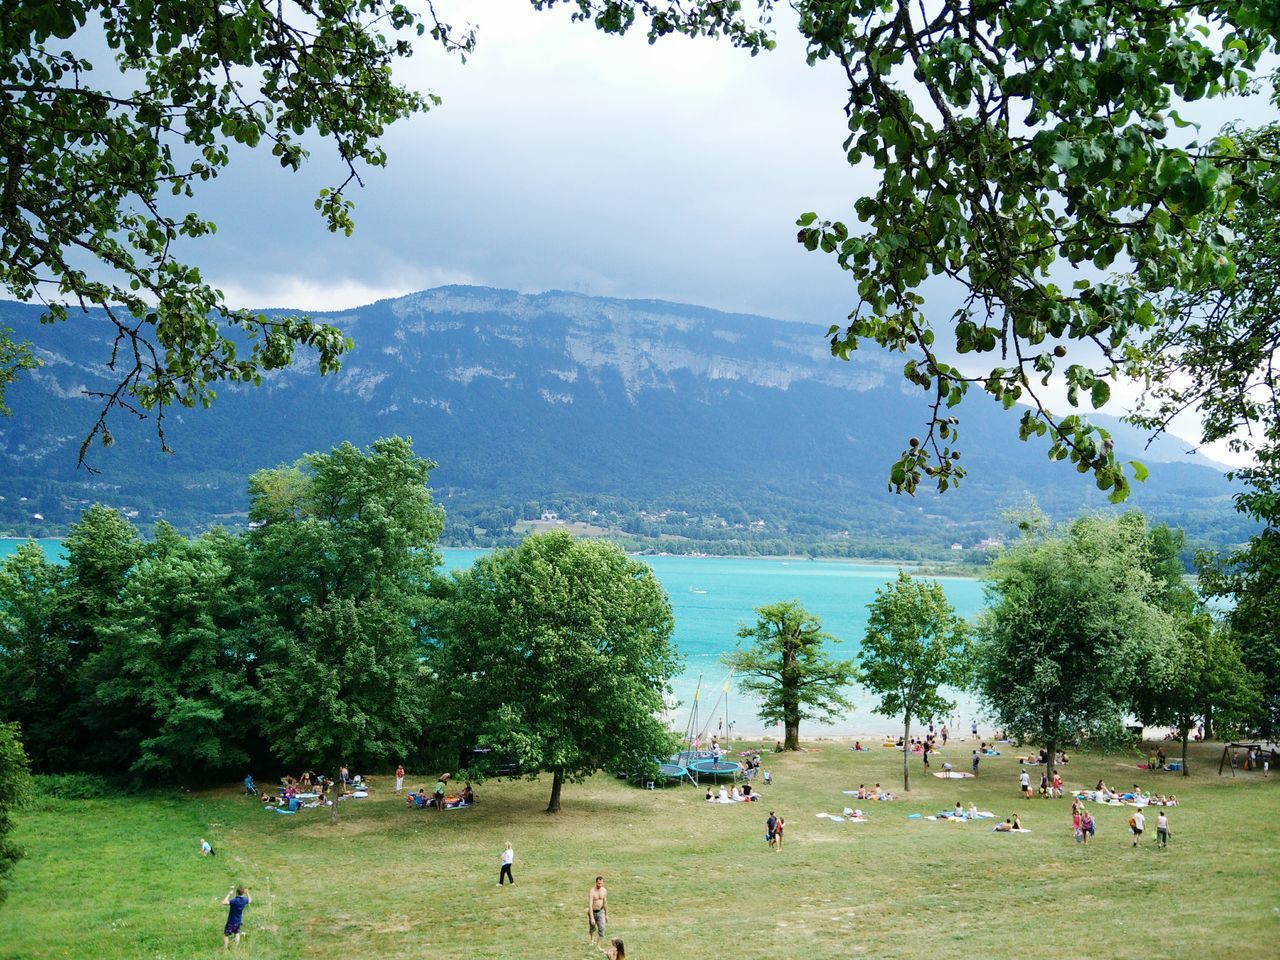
x=651, y=417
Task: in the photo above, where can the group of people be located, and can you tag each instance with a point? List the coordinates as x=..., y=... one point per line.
x=1050, y=787
x=310, y=789
x=774, y=827
x=439, y=798
x=740, y=794
x=875, y=793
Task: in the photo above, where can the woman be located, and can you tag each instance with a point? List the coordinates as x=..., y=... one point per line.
x=1087, y=827
x=777, y=836
x=508, y=858
x=616, y=950
x=1077, y=828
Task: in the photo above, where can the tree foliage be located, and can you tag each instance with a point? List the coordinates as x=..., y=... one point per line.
x=1072, y=617
x=15, y=790
x=555, y=655
x=914, y=646
x=102, y=157
x=787, y=668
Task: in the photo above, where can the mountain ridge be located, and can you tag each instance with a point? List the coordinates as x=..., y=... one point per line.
x=579, y=404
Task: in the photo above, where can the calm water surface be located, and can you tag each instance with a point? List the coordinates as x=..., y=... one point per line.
x=711, y=597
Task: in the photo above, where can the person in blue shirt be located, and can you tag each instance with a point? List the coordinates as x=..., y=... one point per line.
x=249, y=787
x=235, y=913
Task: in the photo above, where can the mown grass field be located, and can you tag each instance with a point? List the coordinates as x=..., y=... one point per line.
x=121, y=877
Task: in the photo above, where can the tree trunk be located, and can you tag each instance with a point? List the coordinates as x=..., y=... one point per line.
x=333, y=809
x=1208, y=724
x=790, y=701
x=906, y=752
x=1186, y=732
x=557, y=781
x=1051, y=751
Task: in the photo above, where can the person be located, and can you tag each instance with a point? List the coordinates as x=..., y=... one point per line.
x=468, y=795
x=399, y=778
x=777, y=834
x=1044, y=785
x=862, y=792
x=249, y=788
x=508, y=858
x=1160, y=758
x=1017, y=824
x=1087, y=825
x=945, y=733
x=597, y=912
x=206, y=848
x=958, y=812
x=439, y=791
x=924, y=754
x=1024, y=783
x=1137, y=823
x=857, y=745
x=974, y=762
x=710, y=796
x=737, y=793
x=344, y=778
x=771, y=829
x=616, y=950
x=235, y=914
x=746, y=793
x=974, y=730
x=1162, y=829
x=724, y=795
x=1057, y=784
x=1006, y=827
x=973, y=810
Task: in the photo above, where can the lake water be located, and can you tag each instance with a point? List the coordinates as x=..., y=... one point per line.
x=711, y=597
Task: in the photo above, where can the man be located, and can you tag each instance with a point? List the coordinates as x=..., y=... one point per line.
x=1162, y=829
x=1137, y=823
x=1024, y=783
x=924, y=753
x=597, y=912
x=439, y=791
x=235, y=912
x=974, y=762
x=975, y=730
x=771, y=829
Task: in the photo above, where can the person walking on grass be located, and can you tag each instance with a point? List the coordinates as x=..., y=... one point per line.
x=1162, y=830
x=235, y=914
x=771, y=829
x=508, y=858
x=974, y=762
x=597, y=912
x=399, y=778
x=1024, y=783
x=1087, y=826
x=1137, y=823
x=777, y=834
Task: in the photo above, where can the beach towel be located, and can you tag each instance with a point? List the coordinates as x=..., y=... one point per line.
x=1019, y=830
x=953, y=775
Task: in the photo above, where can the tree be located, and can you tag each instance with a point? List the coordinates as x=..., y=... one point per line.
x=1199, y=673
x=184, y=87
x=179, y=658
x=914, y=645
x=1071, y=617
x=555, y=655
x=344, y=553
x=787, y=668
x=35, y=662
x=15, y=790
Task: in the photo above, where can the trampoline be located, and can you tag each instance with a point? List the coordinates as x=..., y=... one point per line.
x=687, y=757
x=715, y=768
x=672, y=771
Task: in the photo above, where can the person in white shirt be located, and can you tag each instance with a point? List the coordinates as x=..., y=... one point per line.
x=508, y=858
x=1162, y=829
x=1137, y=823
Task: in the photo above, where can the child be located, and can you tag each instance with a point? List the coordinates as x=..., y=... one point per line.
x=206, y=848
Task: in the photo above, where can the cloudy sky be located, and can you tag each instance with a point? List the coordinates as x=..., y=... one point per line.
x=566, y=159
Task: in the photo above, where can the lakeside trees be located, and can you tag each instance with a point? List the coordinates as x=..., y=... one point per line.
x=787, y=668
x=1072, y=617
x=914, y=645
x=554, y=655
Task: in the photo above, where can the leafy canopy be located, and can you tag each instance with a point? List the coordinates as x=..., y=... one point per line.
x=102, y=156
x=555, y=655
x=787, y=668
x=1071, y=616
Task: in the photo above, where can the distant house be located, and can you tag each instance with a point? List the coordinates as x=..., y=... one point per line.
x=956, y=546
x=990, y=543
x=549, y=516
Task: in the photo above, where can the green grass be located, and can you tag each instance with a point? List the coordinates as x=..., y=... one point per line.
x=121, y=877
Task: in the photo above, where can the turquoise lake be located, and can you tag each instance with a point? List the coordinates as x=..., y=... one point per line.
x=711, y=597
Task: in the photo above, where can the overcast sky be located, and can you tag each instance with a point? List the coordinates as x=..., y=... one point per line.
x=563, y=158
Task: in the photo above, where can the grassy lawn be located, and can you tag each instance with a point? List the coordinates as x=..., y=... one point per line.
x=122, y=877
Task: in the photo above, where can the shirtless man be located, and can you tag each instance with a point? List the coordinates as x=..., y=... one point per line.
x=597, y=912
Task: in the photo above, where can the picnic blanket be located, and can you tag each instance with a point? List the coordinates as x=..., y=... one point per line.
x=997, y=829
x=954, y=775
